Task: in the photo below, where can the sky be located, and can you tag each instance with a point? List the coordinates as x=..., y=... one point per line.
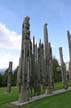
x=57, y=13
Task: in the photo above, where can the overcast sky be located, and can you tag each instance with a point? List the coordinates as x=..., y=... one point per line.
x=57, y=13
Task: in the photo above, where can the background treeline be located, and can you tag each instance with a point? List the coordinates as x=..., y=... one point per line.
x=4, y=76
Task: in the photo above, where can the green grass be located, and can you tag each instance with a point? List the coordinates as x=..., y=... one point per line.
x=57, y=101
x=69, y=83
x=5, y=97
x=60, y=86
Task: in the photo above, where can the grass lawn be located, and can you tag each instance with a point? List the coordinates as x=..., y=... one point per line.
x=6, y=98
x=60, y=86
x=57, y=101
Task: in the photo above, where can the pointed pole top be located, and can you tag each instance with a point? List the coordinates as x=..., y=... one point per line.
x=46, y=24
x=33, y=39
x=60, y=48
x=68, y=32
x=27, y=18
x=40, y=41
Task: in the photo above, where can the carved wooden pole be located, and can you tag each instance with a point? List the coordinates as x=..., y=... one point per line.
x=9, y=77
x=50, y=68
x=19, y=76
x=63, y=69
x=46, y=60
x=69, y=44
x=25, y=61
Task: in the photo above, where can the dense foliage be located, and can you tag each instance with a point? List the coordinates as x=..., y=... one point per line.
x=56, y=70
x=4, y=77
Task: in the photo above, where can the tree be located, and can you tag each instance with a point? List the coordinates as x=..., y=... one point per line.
x=14, y=77
x=0, y=80
x=56, y=71
x=4, y=78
